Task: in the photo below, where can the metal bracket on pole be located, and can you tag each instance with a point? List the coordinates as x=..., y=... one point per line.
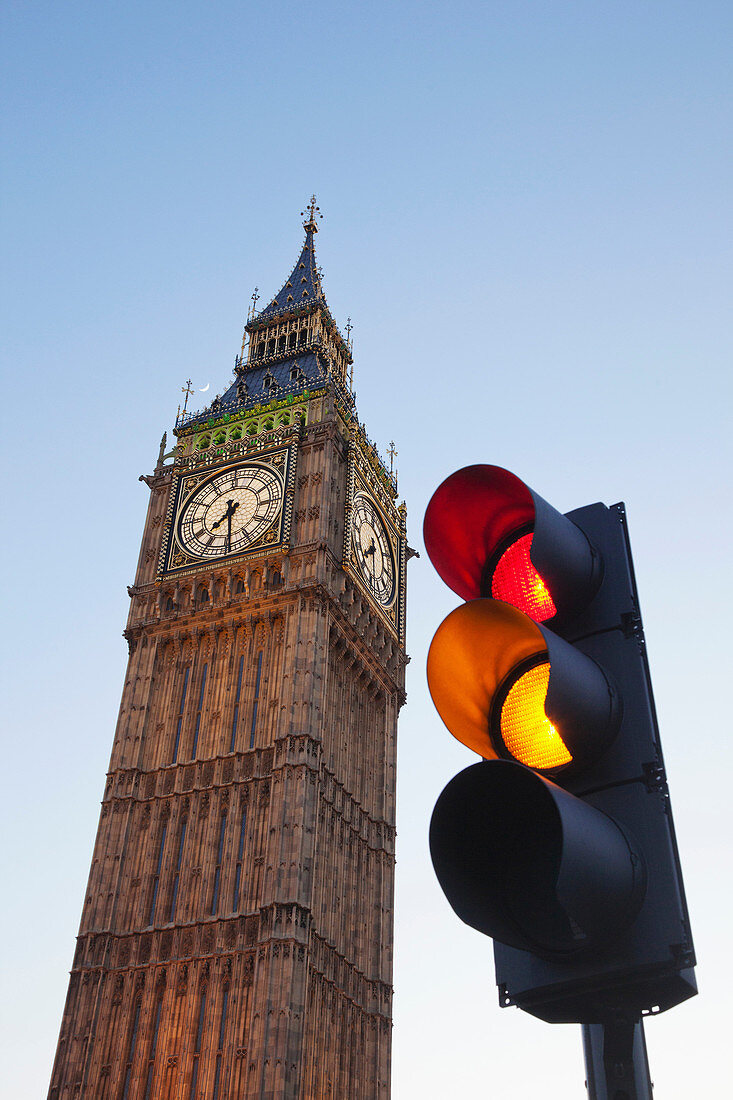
x=616, y=1064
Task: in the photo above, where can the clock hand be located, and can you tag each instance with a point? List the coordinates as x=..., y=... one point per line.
x=232, y=506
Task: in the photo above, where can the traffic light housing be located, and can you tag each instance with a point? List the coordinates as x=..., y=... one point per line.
x=560, y=843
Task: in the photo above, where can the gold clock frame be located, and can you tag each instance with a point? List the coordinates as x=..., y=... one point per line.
x=362, y=480
x=175, y=560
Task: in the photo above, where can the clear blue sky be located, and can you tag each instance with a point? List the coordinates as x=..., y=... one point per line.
x=527, y=215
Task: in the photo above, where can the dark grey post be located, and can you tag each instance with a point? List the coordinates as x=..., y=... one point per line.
x=616, y=1066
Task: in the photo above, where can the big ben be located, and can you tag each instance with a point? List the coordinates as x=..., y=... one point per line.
x=236, y=933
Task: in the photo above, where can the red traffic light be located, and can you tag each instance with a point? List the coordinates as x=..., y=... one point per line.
x=489, y=534
x=516, y=581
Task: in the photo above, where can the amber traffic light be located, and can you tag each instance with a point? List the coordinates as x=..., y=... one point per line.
x=559, y=844
x=507, y=687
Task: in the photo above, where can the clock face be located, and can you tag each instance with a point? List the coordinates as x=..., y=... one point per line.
x=229, y=512
x=372, y=550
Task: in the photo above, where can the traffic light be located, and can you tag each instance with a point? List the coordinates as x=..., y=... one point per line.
x=560, y=843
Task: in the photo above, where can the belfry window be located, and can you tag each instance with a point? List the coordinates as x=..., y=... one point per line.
x=302, y=335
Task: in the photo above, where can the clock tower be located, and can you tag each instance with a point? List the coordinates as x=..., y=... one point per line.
x=236, y=933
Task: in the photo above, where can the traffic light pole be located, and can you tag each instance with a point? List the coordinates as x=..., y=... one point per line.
x=616, y=1066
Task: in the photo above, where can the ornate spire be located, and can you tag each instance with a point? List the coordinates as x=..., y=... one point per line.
x=303, y=288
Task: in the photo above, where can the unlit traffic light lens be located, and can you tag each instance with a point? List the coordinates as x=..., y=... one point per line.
x=516, y=581
x=526, y=731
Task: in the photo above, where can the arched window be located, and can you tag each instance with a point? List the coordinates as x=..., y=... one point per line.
x=302, y=335
x=199, y=709
x=220, y=1041
x=260, y=349
x=151, y=1053
x=240, y=856
x=270, y=347
x=179, y=720
x=276, y=579
x=292, y=339
x=131, y=1050
x=217, y=869
x=177, y=872
x=235, y=715
x=197, y=1043
x=156, y=876
x=169, y=604
x=256, y=700
x=203, y=595
x=239, y=588
x=281, y=343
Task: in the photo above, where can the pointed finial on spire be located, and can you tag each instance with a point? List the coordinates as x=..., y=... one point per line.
x=349, y=330
x=253, y=308
x=392, y=455
x=312, y=210
x=188, y=393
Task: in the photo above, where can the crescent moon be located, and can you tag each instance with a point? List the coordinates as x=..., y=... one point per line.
x=205, y=388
